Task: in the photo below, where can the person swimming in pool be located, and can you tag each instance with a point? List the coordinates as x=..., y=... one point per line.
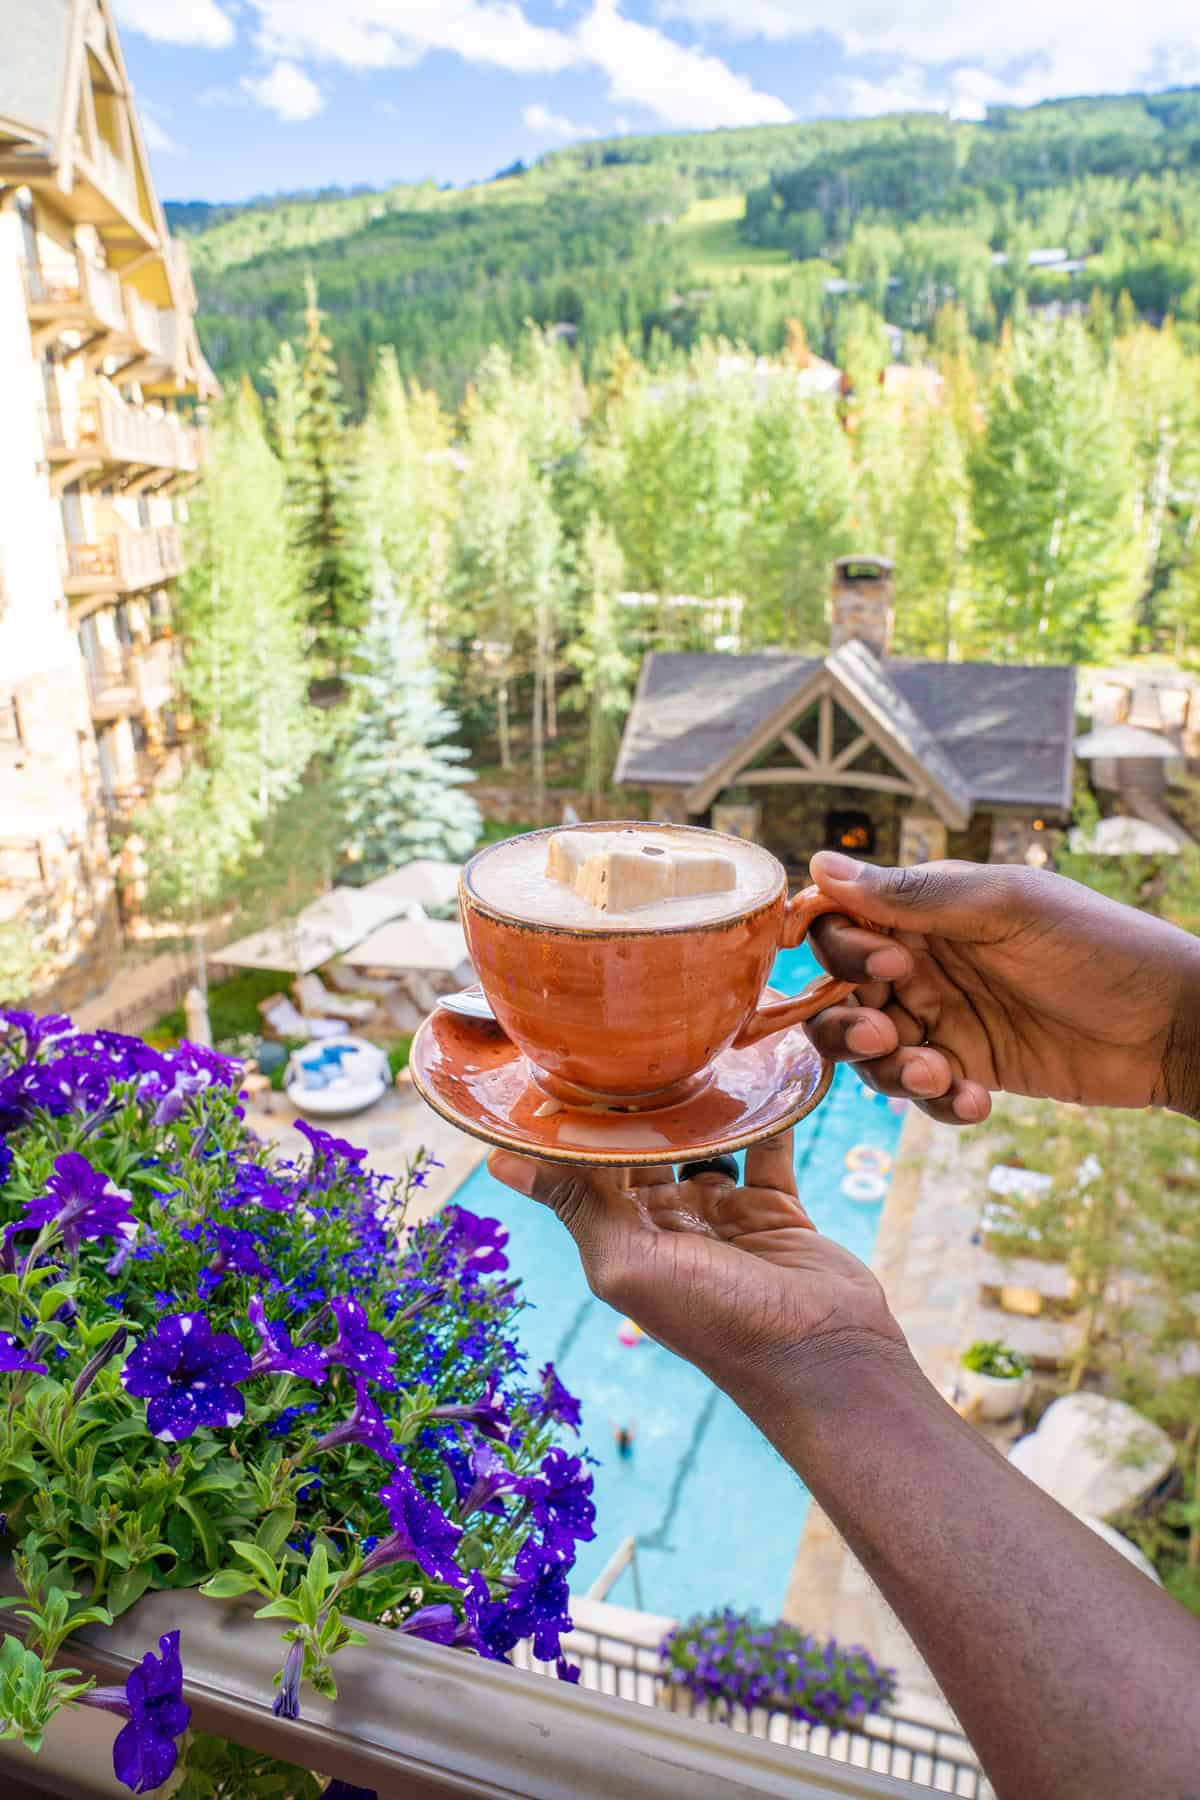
x=623, y=1436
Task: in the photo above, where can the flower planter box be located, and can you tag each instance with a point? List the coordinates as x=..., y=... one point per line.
x=997, y=1397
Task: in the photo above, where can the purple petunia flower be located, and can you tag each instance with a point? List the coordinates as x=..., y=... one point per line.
x=286, y=1704
x=478, y=1243
x=363, y=1351
x=540, y=1605
x=345, y=1790
x=437, y=1625
x=82, y=1202
x=189, y=1374
x=366, y=1425
x=560, y=1495
x=487, y=1414
x=567, y=1671
x=145, y=1751
x=325, y=1147
x=15, y=1359
x=555, y=1401
x=36, y=1029
x=254, y=1185
x=279, y=1355
x=421, y=1533
x=6, y=1159
x=496, y=1630
x=237, y=1252
x=489, y=1477
x=184, y=1087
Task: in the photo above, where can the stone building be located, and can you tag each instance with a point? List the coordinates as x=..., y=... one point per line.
x=895, y=759
x=102, y=380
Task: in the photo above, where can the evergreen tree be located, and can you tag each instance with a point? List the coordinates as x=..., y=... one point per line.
x=796, y=519
x=606, y=671
x=327, y=527
x=1055, y=555
x=933, y=540
x=407, y=484
x=400, y=779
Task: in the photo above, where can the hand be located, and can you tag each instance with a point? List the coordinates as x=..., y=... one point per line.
x=735, y=1279
x=998, y=978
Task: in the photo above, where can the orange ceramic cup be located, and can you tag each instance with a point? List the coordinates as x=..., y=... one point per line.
x=637, y=1017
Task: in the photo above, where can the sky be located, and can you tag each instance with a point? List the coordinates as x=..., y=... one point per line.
x=247, y=97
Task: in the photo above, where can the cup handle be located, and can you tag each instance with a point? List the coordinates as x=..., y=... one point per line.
x=771, y=1016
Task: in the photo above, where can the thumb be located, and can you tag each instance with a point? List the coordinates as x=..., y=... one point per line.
x=596, y=1205
x=969, y=901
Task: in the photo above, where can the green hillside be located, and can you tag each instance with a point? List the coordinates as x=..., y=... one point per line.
x=663, y=240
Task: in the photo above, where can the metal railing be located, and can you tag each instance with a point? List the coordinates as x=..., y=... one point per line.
x=908, y=1748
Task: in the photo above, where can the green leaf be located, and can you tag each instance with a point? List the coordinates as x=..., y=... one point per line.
x=206, y=1531
x=262, y=1564
x=275, y=1530
x=227, y=1584
x=288, y=1608
x=53, y=1298
x=128, y=1586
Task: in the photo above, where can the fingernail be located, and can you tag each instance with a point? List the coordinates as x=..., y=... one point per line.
x=839, y=868
x=918, y=1076
x=889, y=964
x=969, y=1107
x=864, y=1037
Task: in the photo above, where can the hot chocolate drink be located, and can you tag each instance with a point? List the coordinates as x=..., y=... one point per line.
x=626, y=879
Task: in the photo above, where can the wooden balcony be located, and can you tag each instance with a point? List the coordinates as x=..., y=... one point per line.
x=73, y=294
x=146, y=331
x=124, y=562
x=109, y=433
x=112, y=689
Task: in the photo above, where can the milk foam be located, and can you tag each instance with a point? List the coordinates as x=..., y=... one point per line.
x=512, y=879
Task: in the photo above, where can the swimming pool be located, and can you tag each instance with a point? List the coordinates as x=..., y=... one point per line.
x=717, y=1515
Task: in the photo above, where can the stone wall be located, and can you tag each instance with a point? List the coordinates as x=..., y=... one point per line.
x=794, y=819
x=513, y=804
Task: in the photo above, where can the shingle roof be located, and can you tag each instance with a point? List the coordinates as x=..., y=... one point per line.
x=35, y=37
x=987, y=733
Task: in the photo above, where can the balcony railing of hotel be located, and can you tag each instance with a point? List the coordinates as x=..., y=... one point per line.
x=126, y=560
x=76, y=286
x=115, y=177
x=108, y=429
x=138, y=678
x=429, y=1723
x=144, y=324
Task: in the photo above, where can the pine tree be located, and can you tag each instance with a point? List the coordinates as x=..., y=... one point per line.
x=796, y=518
x=1055, y=555
x=400, y=778
x=407, y=484
x=324, y=503
x=605, y=669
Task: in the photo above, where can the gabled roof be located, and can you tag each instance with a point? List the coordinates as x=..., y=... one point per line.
x=980, y=734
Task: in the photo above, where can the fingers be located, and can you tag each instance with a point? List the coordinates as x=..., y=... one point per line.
x=773, y=1164
x=852, y=1033
x=856, y=955
x=928, y=1077
x=597, y=1206
x=971, y=901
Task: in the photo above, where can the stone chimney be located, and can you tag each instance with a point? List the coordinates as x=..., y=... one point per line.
x=863, y=604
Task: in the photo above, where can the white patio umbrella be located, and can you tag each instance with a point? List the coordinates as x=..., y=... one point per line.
x=431, y=883
x=417, y=944
x=332, y=924
x=1120, y=836
x=1121, y=742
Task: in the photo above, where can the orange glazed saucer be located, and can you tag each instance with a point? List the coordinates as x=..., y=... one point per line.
x=476, y=1078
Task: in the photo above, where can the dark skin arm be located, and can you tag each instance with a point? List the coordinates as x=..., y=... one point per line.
x=1073, y=1675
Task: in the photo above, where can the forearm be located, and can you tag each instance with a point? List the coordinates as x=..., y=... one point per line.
x=1032, y=1625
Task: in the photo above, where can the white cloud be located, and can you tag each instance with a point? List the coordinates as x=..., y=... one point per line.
x=200, y=22
x=378, y=34
x=681, y=86
x=157, y=138
x=286, y=91
x=539, y=118
x=1020, y=51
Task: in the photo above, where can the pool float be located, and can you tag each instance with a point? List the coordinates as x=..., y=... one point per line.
x=868, y=1159
x=629, y=1334
x=864, y=1188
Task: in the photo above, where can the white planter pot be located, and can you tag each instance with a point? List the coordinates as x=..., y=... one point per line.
x=999, y=1396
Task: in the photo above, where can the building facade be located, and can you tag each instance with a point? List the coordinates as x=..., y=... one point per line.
x=103, y=386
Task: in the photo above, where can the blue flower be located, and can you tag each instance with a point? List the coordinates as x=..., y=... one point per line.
x=421, y=1533
x=540, y=1605
x=555, y=1402
x=237, y=1251
x=37, y=1030
x=560, y=1496
x=487, y=1414
x=6, y=1160
x=189, y=1373
x=286, y=1704
x=145, y=1751
x=366, y=1425
x=15, y=1359
x=184, y=1087
x=478, y=1243
x=487, y=1478
x=345, y=1790
x=437, y=1625
x=327, y=1149
x=279, y=1355
x=82, y=1202
x=360, y=1349
x=256, y=1185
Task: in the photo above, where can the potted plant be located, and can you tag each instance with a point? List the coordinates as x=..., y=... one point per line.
x=234, y=1371
x=717, y=1661
x=995, y=1378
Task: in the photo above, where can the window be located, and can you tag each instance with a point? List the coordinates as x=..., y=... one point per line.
x=852, y=831
x=71, y=502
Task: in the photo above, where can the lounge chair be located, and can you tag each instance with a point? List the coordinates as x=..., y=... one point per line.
x=316, y=1001
x=281, y=1017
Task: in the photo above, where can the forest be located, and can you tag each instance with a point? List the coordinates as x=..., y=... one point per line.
x=665, y=241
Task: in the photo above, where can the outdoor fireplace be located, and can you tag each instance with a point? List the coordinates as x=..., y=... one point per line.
x=852, y=831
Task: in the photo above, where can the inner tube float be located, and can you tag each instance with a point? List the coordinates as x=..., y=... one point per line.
x=868, y=1159
x=629, y=1334
x=863, y=1188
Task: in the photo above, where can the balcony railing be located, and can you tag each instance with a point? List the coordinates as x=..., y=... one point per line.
x=111, y=684
x=124, y=562
x=108, y=429
x=154, y=667
x=115, y=178
x=76, y=290
x=144, y=324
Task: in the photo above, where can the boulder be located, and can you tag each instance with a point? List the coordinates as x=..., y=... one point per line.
x=1097, y=1457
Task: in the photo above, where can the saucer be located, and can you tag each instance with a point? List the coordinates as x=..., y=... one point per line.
x=477, y=1079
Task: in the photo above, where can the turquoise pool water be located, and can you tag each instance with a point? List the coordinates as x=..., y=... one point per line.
x=716, y=1513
